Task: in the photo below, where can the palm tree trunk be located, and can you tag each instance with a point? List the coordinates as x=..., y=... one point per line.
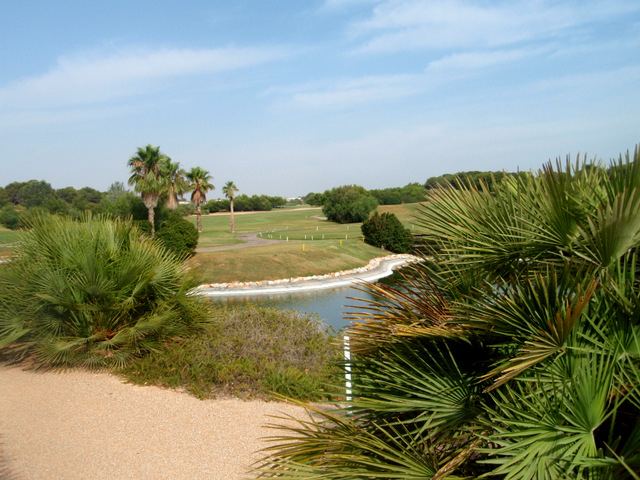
x=233, y=222
x=199, y=215
x=152, y=220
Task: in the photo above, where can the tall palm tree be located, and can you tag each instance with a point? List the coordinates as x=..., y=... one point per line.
x=176, y=182
x=199, y=185
x=229, y=191
x=147, y=178
x=511, y=352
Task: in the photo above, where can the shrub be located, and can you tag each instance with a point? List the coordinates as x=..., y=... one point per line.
x=10, y=217
x=348, y=204
x=93, y=293
x=248, y=351
x=386, y=231
x=178, y=235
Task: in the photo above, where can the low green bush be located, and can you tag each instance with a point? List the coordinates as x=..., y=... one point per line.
x=178, y=235
x=93, y=293
x=386, y=231
x=10, y=217
x=250, y=351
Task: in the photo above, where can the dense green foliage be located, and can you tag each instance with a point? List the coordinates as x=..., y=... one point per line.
x=348, y=204
x=514, y=354
x=178, y=235
x=386, y=231
x=94, y=293
x=249, y=351
x=9, y=217
x=411, y=193
x=486, y=180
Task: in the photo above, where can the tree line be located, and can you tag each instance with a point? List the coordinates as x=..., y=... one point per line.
x=152, y=170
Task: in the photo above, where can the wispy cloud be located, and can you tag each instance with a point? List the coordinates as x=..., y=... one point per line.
x=473, y=61
x=346, y=93
x=95, y=78
x=396, y=25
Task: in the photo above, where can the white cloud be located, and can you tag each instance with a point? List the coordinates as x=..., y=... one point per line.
x=479, y=60
x=86, y=79
x=347, y=93
x=396, y=25
x=340, y=4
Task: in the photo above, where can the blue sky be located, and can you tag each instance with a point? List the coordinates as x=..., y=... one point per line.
x=285, y=97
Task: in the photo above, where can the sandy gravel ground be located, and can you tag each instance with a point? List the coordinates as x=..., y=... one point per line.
x=80, y=425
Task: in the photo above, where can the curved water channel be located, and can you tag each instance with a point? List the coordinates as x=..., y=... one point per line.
x=330, y=305
x=329, y=298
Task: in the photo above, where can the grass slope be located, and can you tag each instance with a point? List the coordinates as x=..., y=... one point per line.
x=310, y=245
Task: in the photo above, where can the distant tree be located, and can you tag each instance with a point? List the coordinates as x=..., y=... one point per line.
x=413, y=193
x=12, y=190
x=56, y=206
x=115, y=191
x=277, y=202
x=4, y=197
x=387, y=196
x=34, y=193
x=90, y=195
x=242, y=203
x=176, y=181
x=348, y=204
x=386, y=231
x=260, y=203
x=199, y=185
x=147, y=179
x=213, y=206
x=229, y=191
x=66, y=194
x=178, y=235
x=314, y=199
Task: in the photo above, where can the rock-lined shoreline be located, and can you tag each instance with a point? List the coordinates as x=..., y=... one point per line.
x=377, y=268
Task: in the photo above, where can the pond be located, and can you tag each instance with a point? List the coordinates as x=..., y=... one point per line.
x=330, y=305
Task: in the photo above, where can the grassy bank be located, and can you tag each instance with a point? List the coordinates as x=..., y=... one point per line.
x=7, y=237
x=309, y=245
x=247, y=352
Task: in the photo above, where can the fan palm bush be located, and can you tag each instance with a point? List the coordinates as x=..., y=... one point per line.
x=94, y=293
x=512, y=351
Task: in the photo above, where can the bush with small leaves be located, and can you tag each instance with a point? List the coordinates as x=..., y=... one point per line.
x=386, y=231
x=178, y=235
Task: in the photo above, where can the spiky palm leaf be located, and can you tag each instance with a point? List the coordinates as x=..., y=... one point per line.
x=512, y=350
x=93, y=292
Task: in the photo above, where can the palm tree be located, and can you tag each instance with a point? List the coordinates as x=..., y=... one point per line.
x=176, y=182
x=512, y=351
x=199, y=184
x=147, y=178
x=92, y=292
x=229, y=191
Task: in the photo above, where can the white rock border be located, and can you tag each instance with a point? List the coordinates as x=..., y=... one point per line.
x=376, y=268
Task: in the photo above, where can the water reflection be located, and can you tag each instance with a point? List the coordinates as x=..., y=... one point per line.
x=330, y=305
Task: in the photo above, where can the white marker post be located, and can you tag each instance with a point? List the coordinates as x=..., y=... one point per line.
x=347, y=368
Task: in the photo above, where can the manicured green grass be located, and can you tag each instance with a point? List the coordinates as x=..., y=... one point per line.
x=285, y=260
x=302, y=252
x=7, y=237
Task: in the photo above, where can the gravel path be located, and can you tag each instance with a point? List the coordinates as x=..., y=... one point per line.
x=81, y=425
